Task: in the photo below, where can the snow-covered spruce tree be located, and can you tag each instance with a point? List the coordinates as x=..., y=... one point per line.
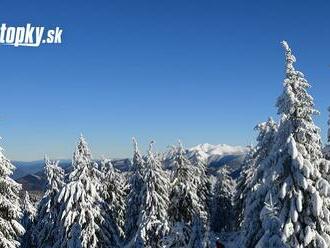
x=10, y=209
x=29, y=211
x=29, y=214
x=204, y=188
x=45, y=230
x=244, y=179
x=184, y=201
x=134, y=198
x=114, y=194
x=294, y=177
x=203, y=182
x=249, y=176
x=223, y=210
x=250, y=203
x=186, y=208
x=81, y=213
x=153, y=219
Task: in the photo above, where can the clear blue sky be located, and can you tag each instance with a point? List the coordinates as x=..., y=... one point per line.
x=201, y=71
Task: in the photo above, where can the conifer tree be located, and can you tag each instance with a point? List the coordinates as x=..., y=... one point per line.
x=29, y=211
x=248, y=202
x=153, y=218
x=244, y=185
x=29, y=214
x=10, y=209
x=81, y=205
x=204, y=188
x=134, y=198
x=203, y=184
x=292, y=174
x=45, y=230
x=265, y=139
x=223, y=210
x=187, y=205
x=113, y=193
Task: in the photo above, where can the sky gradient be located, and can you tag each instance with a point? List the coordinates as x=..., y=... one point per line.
x=199, y=71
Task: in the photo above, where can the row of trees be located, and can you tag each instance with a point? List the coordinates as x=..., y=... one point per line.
x=281, y=199
x=95, y=205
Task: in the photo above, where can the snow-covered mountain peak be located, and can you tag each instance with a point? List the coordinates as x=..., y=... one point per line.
x=219, y=150
x=219, y=155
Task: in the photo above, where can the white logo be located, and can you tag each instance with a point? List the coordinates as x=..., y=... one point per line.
x=29, y=36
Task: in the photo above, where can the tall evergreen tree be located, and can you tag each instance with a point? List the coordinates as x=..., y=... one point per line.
x=10, y=209
x=204, y=194
x=223, y=210
x=187, y=204
x=45, y=230
x=293, y=177
x=134, y=198
x=153, y=218
x=29, y=211
x=113, y=193
x=203, y=183
x=265, y=140
x=81, y=205
x=248, y=201
x=29, y=214
x=244, y=185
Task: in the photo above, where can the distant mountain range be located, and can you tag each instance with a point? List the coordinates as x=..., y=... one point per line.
x=32, y=178
x=25, y=168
